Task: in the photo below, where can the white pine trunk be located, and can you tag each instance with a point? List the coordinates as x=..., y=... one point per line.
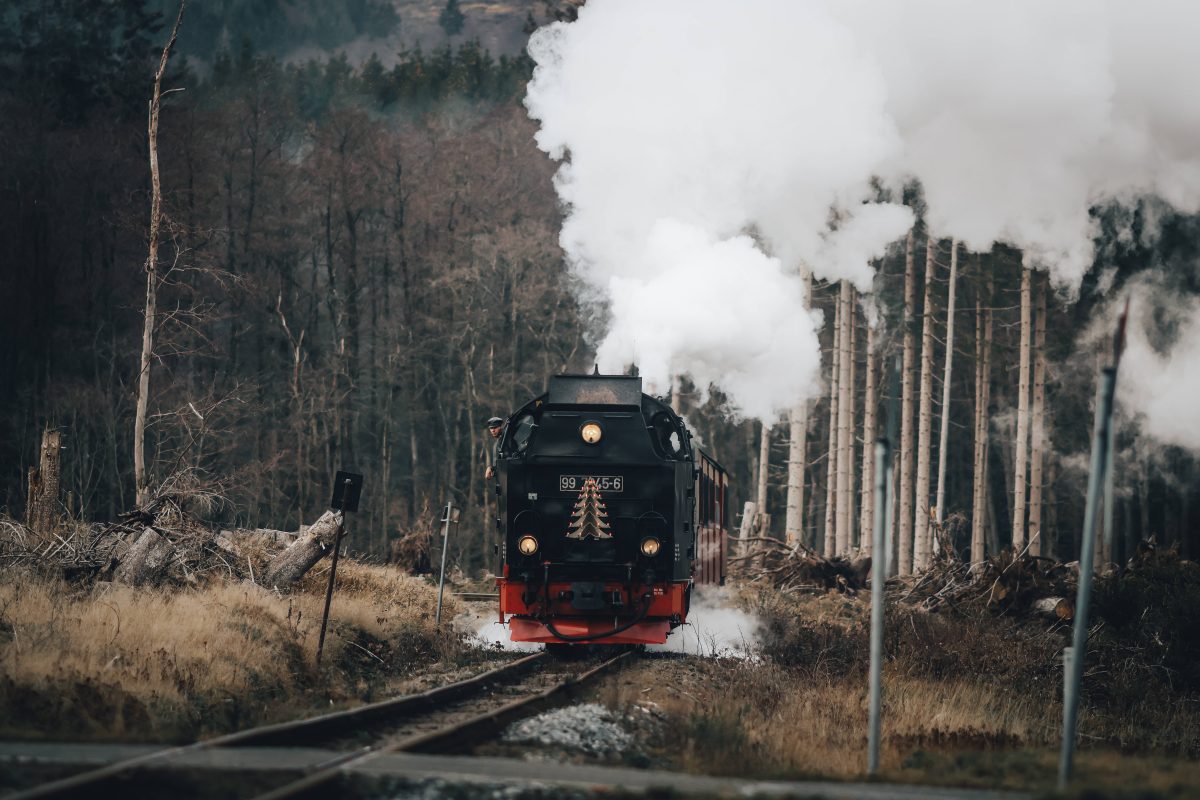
x=867, y=502
x=983, y=383
x=923, y=534
x=944, y=437
x=1021, y=457
x=797, y=440
x=1037, y=446
x=844, y=422
x=905, y=541
x=831, y=464
x=764, y=470
x=797, y=451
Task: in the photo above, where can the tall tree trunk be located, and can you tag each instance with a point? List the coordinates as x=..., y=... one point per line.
x=944, y=434
x=762, y=520
x=151, y=310
x=797, y=450
x=1021, y=453
x=983, y=381
x=905, y=543
x=845, y=409
x=1036, y=453
x=923, y=535
x=830, y=543
x=866, y=522
x=853, y=401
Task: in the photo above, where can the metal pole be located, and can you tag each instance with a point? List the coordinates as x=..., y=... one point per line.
x=337, y=546
x=878, y=578
x=437, y=621
x=1109, y=539
x=1100, y=455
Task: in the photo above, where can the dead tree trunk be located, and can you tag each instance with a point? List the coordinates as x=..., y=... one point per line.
x=867, y=502
x=300, y=556
x=1037, y=446
x=922, y=535
x=146, y=561
x=830, y=543
x=797, y=451
x=151, y=310
x=42, y=506
x=762, y=520
x=944, y=434
x=983, y=382
x=852, y=400
x=845, y=409
x=797, y=440
x=905, y=554
x=1021, y=453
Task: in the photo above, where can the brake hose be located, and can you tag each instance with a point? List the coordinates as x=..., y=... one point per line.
x=587, y=637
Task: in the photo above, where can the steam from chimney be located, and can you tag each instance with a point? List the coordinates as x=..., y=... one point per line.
x=709, y=148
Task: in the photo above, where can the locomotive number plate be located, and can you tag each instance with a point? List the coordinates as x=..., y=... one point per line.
x=605, y=483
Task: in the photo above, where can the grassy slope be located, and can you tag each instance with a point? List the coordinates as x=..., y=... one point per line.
x=116, y=663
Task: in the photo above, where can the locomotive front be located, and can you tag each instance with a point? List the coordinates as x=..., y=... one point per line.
x=596, y=489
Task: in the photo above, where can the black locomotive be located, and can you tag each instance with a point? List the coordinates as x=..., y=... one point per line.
x=608, y=514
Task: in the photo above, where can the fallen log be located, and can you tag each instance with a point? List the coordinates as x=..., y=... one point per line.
x=291, y=564
x=147, y=559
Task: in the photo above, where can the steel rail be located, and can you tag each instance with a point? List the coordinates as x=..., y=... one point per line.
x=460, y=734
x=289, y=732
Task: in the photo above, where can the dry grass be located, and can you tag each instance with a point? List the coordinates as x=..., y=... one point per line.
x=968, y=701
x=118, y=663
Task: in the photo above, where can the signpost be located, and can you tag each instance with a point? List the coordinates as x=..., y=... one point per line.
x=449, y=514
x=881, y=549
x=347, y=488
x=1099, y=490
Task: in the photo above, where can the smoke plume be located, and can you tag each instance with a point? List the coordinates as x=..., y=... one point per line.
x=710, y=148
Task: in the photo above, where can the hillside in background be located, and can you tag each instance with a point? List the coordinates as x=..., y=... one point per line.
x=299, y=30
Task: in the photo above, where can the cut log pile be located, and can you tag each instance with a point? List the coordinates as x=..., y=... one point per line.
x=791, y=568
x=162, y=543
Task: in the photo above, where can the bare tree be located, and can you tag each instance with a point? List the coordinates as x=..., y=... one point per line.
x=152, y=277
x=983, y=389
x=845, y=421
x=922, y=536
x=830, y=542
x=944, y=434
x=866, y=503
x=906, y=413
x=797, y=450
x=762, y=521
x=1021, y=454
x=1037, y=447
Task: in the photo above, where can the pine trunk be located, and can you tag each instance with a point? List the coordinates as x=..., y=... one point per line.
x=829, y=548
x=797, y=439
x=797, y=451
x=1021, y=454
x=947, y=373
x=762, y=522
x=867, y=502
x=1038, y=432
x=150, y=313
x=905, y=553
x=844, y=423
x=923, y=534
x=983, y=357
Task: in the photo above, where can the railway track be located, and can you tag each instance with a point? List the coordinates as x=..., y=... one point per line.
x=451, y=718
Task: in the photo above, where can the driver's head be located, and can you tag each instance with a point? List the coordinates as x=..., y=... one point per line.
x=494, y=426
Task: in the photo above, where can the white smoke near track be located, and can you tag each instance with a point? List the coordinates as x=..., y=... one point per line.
x=715, y=627
x=709, y=148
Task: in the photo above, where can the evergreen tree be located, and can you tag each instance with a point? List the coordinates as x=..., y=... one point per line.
x=452, y=18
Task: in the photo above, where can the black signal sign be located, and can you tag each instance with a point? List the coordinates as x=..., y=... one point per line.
x=347, y=488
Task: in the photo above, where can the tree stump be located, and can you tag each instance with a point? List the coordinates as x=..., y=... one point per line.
x=299, y=557
x=147, y=559
x=42, y=505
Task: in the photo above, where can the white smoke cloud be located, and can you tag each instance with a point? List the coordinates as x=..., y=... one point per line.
x=687, y=124
x=1161, y=390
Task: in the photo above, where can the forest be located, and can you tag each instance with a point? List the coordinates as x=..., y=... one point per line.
x=360, y=264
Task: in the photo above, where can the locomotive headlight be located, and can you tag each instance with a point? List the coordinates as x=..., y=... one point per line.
x=591, y=433
x=528, y=545
x=651, y=546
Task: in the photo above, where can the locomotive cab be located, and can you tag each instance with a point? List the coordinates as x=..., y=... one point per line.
x=597, y=514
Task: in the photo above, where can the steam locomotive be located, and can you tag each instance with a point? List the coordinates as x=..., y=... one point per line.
x=608, y=515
